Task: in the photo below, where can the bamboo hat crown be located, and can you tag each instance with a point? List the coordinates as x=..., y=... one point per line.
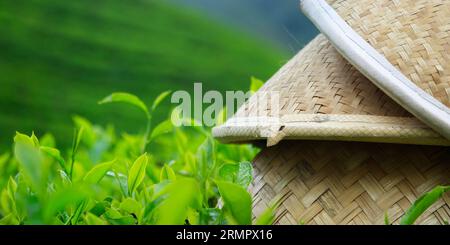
x=363, y=79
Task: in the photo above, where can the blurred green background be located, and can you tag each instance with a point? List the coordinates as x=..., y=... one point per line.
x=59, y=57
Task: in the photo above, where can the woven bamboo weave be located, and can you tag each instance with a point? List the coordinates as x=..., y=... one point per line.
x=414, y=35
x=318, y=81
x=349, y=183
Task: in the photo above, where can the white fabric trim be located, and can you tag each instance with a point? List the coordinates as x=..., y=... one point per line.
x=376, y=67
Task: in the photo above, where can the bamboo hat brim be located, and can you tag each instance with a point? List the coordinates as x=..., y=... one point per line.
x=403, y=47
x=321, y=96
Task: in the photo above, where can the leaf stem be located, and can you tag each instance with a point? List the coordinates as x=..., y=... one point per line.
x=148, y=130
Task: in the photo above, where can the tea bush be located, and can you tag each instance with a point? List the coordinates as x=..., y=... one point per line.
x=165, y=175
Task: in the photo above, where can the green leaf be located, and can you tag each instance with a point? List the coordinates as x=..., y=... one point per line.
x=97, y=173
x=255, y=84
x=125, y=98
x=12, y=188
x=241, y=174
x=48, y=140
x=161, y=129
x=167, y=173
x=160, y=98
x=77, y=135
x=228, y=172
x=237, y=201
x=114, y=217
x=100, y=208
x=386, y=219
x=31, y=161
x=206, y=158
x=268, y=216
x=35, y=139
x=62, y=199
x=89, y=135
x=179, y=197
x=91, y=219
x=422, y=204
x=245, y=174
x=25, y=139
x=78, y=211
x=131, y=206
x=9, y=219
x=55, y=154
x=221, y=117
x=3, y=160
x=136, y=173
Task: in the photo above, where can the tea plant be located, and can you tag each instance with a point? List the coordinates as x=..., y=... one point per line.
x=110, y=178
x=422, y=204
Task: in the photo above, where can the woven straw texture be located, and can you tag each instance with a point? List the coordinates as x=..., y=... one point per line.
x=414, y=35
x=318, y=81
x=349, y=183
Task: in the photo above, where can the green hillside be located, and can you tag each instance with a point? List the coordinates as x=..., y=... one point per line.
x=58, y=58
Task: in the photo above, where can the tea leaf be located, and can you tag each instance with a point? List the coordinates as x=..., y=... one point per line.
x=160, y=98
x=35, y=139
x=114, y=217
x=9, y=219
x=180, y=196
x=131, y=207
x=78, y=211
x=237, y=201
x=47, y=140
x=241, y=174
x=91, y=219
x=62, y=199
x=97, y=173
x=55, y=154
x=125, y=98
x=167, y=173
x=30, y=159
x=255, y=84
x=386, y=219
x=77, y=135
x=268, y=216
x=422, y=204
x=12, y=188
x=245, y=174
x=137, y=173
x=221, y=117
x=228, y=172
x=161, y=129
x=206, y=157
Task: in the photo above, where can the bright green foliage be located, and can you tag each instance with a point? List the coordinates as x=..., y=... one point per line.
x=63, y=56
x=136, y=173
x=183, y=177
x=97, y=173
x=386, y=219
x=268, y=216
x=168, y=174
x=125, y=98
x=237, y=202
x=255, y=84
x=422, y=204
x=240, y=173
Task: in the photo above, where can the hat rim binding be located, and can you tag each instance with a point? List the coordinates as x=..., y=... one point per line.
x=331, y=127
x=334, y=127
x=376, y=67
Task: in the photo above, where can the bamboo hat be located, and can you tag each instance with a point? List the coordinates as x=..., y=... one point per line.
x=372, y=83
x=403, y=47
